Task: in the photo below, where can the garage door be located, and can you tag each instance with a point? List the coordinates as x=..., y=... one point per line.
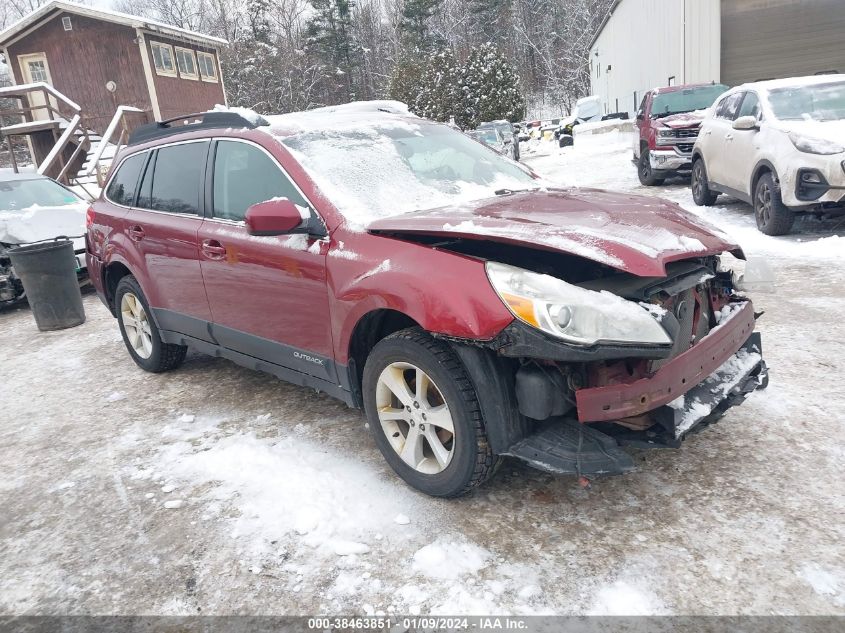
x=767, y=39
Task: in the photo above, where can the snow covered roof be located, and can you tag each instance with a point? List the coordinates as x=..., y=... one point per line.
x=333, y=117
x=106, y=15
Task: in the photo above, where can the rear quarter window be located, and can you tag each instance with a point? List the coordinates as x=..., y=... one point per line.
x=124, y=184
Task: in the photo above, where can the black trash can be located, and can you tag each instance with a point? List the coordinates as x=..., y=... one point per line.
x=48, y=273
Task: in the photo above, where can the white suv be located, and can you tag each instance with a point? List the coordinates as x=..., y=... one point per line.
x=778, y=145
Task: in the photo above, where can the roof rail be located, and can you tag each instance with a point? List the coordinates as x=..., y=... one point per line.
x=207, y=120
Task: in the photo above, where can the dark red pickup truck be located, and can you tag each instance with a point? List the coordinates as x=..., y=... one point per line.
x=667, y=126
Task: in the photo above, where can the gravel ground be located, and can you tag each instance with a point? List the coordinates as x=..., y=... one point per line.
x=284, y=505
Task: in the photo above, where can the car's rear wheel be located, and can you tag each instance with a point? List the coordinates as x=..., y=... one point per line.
x=647, y=175
x=424, y=414
x=139, y=331
x=772, y=215
x=701, y=192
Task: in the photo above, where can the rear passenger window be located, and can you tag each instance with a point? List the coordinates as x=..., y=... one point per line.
x=123, y=185
x=245, y=175
x=176, y=179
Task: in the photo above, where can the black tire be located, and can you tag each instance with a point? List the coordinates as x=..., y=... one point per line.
x=701, y=192
x=472, y=461
x=772, y=215
x=164, y=356
x=647, y=175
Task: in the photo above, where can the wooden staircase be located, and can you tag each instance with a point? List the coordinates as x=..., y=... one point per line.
x=62, y=146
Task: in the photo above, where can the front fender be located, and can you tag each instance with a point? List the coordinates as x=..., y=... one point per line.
x=445, y=293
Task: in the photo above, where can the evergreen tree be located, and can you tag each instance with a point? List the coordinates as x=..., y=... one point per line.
x=331, y=41
x=489, y=89
x=415, y=22
x=491, y=17
x=406, y=79
x=259, y=23
x=438, y=97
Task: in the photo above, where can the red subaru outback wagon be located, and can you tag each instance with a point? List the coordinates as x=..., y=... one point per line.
x=472, y=311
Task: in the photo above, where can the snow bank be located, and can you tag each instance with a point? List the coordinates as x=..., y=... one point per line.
x=624, y=126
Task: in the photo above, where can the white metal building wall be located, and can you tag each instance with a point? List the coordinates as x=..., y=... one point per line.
x=644, y=43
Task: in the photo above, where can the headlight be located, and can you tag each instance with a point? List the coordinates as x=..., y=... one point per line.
x=666, y=133
x=576, y=315
x=814, y=145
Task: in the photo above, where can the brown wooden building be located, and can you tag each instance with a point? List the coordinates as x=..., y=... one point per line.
x=103, y=59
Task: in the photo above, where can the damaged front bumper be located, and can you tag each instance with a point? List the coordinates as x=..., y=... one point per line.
x=687, y=393
x=678, y=376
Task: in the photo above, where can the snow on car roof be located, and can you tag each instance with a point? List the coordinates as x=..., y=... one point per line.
x=334, y=117
x=792, y=82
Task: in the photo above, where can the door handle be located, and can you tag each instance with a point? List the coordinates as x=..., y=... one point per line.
x=136, y=233
x=729, y=137
x=213, y=249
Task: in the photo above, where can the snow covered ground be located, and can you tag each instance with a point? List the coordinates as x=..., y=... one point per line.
x=214, y=489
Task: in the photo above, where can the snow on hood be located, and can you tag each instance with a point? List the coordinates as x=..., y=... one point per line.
x=637, y=234
x=683, y=119
x=827, y=130
x=37, y=223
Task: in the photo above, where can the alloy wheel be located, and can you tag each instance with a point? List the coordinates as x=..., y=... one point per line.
x=136, y=325
x=764, y=204
x=415, y=418
x=696, y=179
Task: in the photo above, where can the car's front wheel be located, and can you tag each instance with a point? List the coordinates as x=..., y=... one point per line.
x=701, y=192
x=772, y=215
x=647, y=175
x=424, y=414
x=139, y=331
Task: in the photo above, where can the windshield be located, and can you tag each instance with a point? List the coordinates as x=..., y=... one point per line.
x=21, y=194
x=685, y=100
x=821, y=102
x=387, y=168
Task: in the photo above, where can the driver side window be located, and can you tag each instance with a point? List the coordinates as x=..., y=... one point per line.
x=750, y=105
x=245, y=175
x=728, y=107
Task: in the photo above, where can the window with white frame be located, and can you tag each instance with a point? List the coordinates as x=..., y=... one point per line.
x=186, y=63
x=208, y=69
x=163, y=59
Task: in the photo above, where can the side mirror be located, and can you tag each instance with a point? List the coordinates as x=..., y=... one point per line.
x=745, y=123
x=640, y=115
x=274, y=217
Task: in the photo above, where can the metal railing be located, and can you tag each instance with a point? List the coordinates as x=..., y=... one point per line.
x=118, y=122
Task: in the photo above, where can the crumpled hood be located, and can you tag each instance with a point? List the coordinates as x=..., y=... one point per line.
x=37, y=223
x=683, y=119
x=637, y=234
x=827, y=130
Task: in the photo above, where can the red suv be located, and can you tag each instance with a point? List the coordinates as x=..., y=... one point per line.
x=402, y=267
x=667, y=126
